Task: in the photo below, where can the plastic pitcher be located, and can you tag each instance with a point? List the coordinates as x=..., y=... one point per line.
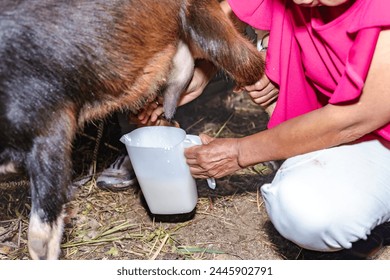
x=157, y=156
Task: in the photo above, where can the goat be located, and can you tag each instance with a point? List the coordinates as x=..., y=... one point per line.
x=66, y=62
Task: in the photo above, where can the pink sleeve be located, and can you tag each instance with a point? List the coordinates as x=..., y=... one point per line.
x=367, y=26
x=256, y=13
x=375, y=13
x=357, y=66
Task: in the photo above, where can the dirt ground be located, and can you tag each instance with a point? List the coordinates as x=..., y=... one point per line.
x=229, y=222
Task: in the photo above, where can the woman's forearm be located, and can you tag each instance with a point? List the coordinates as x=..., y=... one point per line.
x=323, y=128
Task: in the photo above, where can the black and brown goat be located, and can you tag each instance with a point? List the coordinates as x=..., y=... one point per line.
x=65, y=62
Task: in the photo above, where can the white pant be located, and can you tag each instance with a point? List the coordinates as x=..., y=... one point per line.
x=326, y=200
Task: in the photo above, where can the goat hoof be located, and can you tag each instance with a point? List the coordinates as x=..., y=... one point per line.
x=44, y=238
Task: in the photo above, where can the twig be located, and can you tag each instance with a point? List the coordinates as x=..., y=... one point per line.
x=220, y=218
x=191, y=126
x=191, y=250
x=20, y=233
x=160, y=247
x=13, y=184
x=105, y=143
x=92, y=241
x=97, y=144
x=99, y=239
x=299, y=253
x=224, y=125
x=115, y=229
x=259, y=204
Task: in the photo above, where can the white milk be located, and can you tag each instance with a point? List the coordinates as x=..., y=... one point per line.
x=169, y=195
x=157, y=156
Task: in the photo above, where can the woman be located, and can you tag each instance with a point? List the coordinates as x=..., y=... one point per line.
x=330, y=60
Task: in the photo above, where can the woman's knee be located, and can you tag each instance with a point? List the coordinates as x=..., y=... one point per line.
x=305, y=213
x=328, y=199
x=301, y=220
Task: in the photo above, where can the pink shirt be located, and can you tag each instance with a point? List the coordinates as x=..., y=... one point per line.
x=316, y=63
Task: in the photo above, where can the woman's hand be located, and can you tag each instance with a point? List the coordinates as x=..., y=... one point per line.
x=151, y=113
x=216, y=158
x=263, y=92
x=203, y=72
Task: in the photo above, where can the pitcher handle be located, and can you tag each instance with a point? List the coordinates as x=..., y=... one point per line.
x=192, y=140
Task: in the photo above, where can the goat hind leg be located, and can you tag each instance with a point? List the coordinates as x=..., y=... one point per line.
x=44, y=238
x=49, y=167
